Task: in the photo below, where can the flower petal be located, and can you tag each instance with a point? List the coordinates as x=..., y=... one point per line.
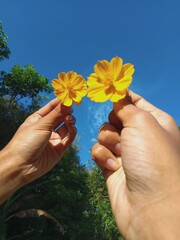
x=93, y=80
x=67, y=102
x=76, y=96
x=118, y=96
x=61, y=94
x=77, y=103
x=62, y=75
x=69, y=87
x=56, y=84
x=128, y=69
x=98, y=94
x=79, y=83
x=71, y=75
x=116, y=64
x=102, y=68
x=123, y=83
x=82, y=92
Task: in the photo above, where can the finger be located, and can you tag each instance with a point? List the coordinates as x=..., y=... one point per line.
x=164, y=119
x=104, y=158
x=55, y=117
x=110, y=138
x=114, y=120
x=134, y=103
x=48, y=107
x=70, y=121
x=141, y=103
x=41, y=112
x=130, y=115
x=136, y=111
x=62, y=131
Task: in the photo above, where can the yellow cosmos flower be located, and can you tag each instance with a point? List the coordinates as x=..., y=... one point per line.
x=69, y=88
x=110, y=80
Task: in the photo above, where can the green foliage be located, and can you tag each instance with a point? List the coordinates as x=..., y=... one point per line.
x=23, y=83
x=75, y=199
x=100, y=209
x=4, y=50
x=19, y=96
x=69, y=202
x=62, y=193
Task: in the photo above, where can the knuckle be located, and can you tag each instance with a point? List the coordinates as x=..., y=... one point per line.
x=170, y=120
x=141, y=117
x=109, y=136
x=61, y=110
x=103, y=136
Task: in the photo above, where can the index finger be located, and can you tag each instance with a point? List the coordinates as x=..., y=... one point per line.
x=48, y=107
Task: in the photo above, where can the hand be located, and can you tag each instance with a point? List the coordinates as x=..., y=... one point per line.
x=37, y=145
x=139, y=153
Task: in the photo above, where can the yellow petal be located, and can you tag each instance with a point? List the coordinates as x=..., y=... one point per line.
x=78, y=80
x=77, y=103
x=62, y=75
x=116, y=66
x=61, y=94
x=99, y=94
x=71, y=75
x=118, y=96
x=123, y=83
x=70, y=87
x=93, y=81
x=128, y=69
x=102, y=68
x=82, y=92
x=55, y=83
x=76, y=96
x=79, y=83
x=126, y=80
x=67, y=101
x=58, y=84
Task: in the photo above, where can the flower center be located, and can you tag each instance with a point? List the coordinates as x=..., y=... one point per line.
x=69, y=86
x=109, y=79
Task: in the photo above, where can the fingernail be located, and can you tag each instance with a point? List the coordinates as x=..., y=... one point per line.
x=118, y=149
x=69, y=117
x=111, y=164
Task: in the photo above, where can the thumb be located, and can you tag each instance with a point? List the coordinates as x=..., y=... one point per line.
x=127, y=112
x=133, y=110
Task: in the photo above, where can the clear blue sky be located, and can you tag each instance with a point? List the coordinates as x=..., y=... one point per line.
x=63, y=35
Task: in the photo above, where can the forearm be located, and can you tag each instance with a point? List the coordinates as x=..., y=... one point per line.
x=10, y=175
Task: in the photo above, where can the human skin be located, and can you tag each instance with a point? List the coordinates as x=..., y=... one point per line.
x=36, y=147
x=138, y=151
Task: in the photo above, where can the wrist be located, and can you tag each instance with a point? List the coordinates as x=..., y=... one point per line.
x=161, y=220
x=10, y=174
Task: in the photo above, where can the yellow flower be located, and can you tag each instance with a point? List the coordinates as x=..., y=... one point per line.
x=69, y=88
x=110, y=80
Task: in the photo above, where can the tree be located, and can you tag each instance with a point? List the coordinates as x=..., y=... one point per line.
x=67, y=203
x=62, y=195
x=19, y=93
x=100, y=209
x=19, y=96
x=4, y=50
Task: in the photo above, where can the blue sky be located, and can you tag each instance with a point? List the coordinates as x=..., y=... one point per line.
x=64, y=35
